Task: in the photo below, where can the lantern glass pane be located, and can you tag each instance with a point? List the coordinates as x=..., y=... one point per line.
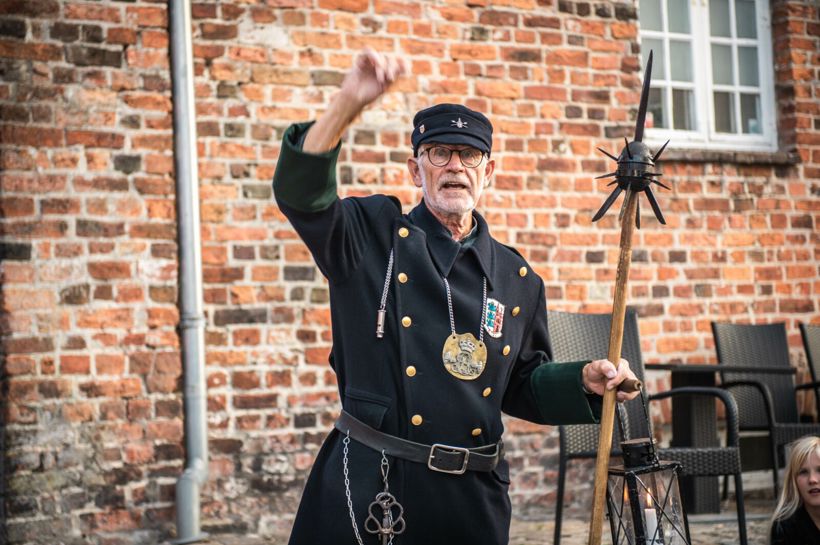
x=620, y=517
x=662, y=508
x=645, y=506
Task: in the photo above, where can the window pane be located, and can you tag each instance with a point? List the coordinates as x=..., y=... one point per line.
x=747, y=65
x=650, y=15
x=655, y=107
x=658, y=68
x=724, y=112
x=719, y=18
x=683, y=109
x=682, y=53
x=722, y=64
x=746, y=20
x=750, y=114
x=678, y=13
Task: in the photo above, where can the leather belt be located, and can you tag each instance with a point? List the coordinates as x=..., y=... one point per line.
x=437, y=457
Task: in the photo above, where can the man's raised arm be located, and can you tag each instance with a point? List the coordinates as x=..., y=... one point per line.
x=369, y=78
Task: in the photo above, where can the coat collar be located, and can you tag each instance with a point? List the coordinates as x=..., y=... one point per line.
x=444, y=250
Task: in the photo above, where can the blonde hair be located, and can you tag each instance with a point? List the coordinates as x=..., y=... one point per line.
x=790, y=500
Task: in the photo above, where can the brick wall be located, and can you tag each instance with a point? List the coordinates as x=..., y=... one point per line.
x=91, y=375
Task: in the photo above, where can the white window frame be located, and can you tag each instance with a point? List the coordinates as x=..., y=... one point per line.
x=705, y=137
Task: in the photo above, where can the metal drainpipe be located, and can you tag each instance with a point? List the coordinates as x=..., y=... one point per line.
x=192, y=321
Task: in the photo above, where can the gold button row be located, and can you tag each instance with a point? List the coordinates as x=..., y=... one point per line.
x=406, y=321
x=404, y=232
x=417, y=420
x=516, y=310
x=411, y=371
x=402, y=278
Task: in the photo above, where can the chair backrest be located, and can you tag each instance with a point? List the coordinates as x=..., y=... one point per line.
x=811, y=342
x=576, y=337
x=762, y=345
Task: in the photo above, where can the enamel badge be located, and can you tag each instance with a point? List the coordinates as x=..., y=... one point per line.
x=495, y=318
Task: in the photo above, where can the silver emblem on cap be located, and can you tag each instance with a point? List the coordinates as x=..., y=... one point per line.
x=458, y=123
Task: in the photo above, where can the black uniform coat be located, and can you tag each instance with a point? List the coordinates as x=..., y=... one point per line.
x=398, y=384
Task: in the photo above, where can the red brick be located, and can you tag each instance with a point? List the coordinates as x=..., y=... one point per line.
x=473, y=52
x=75, y=364
x=567, y=57
x=32, y=136
x=92, y=12
x=138, y=453
x=109, y=364
x=78, y=412
x=124, y=387
x=108, y=270
x=344, y=5
x=29, y=51
x=147, y=16
x=30, y=8
x=105, y=318
x=95, y=139
x=121, y=35
x=245, y=380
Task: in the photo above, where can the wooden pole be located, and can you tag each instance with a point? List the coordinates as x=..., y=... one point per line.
x=616, y=334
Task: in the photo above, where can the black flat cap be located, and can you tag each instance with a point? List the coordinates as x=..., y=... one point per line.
x=452, y=124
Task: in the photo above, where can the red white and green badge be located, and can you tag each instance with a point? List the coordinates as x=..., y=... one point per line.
x=495, y=318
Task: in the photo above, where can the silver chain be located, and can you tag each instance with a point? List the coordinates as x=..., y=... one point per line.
x=383, y=304
x=483, y=309
x=382, y=313
x=346, y=442
x=385, y=469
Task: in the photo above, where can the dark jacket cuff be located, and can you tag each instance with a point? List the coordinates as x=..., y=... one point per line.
x=559, y=395
x=304, y=181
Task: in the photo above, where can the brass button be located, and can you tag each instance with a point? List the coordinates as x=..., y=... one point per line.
x=476, y=432
x=403, y=232
x=522, y=272
x=402, y=278
x=417, y=420
x=506, y=350
x=406, y=321
x=487, y=392
x=516, y=310
x=411, y=371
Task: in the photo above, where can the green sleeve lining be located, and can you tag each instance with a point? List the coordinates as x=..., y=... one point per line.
x=305, y=181
x=557, y=389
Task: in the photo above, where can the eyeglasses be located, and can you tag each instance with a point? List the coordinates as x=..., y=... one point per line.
x=440, y=156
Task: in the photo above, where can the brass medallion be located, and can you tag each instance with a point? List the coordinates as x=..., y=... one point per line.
x=464, y=356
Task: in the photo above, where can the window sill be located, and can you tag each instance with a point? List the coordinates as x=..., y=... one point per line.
x=777, y=158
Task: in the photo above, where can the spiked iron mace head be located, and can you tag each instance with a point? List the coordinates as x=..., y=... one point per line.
x=636, y=163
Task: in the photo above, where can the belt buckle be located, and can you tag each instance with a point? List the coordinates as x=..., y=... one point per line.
x=460, y=471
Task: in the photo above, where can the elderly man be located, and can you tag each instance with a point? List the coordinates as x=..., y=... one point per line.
x=437, y=330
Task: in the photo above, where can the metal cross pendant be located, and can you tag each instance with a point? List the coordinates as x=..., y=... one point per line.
x=390, y=511
x=385, y=515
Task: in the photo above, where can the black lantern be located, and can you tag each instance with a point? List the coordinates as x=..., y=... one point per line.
x=643, y=496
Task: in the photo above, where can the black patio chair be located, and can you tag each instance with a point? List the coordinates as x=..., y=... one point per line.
x=576, y=337
x=766, y=402
x=811, y=343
